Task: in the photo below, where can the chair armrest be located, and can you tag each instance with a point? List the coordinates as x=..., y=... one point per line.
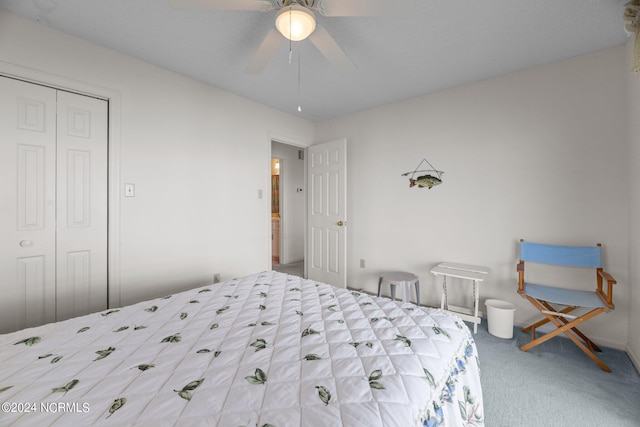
x=606, y=276
x=608, y=297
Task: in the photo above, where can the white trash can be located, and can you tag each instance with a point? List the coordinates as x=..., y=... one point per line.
x=500, y=318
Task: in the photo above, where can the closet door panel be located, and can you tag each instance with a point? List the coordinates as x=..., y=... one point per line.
x=27, y=204
x=82, y=205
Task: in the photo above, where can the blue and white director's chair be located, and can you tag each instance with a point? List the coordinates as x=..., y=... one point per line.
x=542, y=297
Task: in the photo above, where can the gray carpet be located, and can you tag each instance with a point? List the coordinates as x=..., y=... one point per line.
x=295, y=268
x=554, y=384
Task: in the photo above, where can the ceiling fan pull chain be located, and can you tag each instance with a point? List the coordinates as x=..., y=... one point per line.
x=299, y=62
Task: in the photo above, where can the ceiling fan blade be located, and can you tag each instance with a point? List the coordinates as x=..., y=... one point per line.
x=255, y=5
x=330, y=49
x=264, y=53
x=356, y=7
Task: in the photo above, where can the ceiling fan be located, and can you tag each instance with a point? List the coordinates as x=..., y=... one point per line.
x=295, y=21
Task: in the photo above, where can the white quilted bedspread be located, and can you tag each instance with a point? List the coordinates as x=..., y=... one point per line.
x=263, y=350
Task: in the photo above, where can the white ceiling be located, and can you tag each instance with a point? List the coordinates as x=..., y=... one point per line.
x=429, y=45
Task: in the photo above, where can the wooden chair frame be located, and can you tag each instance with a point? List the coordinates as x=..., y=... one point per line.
x=565, y=322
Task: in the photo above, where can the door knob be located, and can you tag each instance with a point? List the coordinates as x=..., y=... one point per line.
x=340, y=223
x=26, y=243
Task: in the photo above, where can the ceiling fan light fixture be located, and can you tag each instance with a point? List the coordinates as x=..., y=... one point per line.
x=295, y=22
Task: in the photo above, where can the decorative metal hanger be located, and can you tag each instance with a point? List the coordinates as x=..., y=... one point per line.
x=427, y=180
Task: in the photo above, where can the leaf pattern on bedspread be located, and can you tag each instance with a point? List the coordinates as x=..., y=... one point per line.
x=470, y=410
x=64, y=389
x=259, y=344
x=172, y=338
x=29, y=341
x=104, y=353
x=373, y=380
x=309, y=331
x=312, y=356
x=324, y=394
x=429, y=378
x=117, y=404
x=404, y=340
x=185, y=393
x=105, y=314
x=337, y=346
x=222, y=310
x=259, y=378
x=440, y=331
x=145, y=366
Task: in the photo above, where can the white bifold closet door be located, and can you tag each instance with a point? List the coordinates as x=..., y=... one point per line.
x=53, y=204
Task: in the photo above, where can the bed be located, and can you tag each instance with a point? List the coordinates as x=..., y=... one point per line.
x=269, y=349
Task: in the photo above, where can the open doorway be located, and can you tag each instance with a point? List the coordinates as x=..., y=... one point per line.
x=288, y=208
x=275, y=211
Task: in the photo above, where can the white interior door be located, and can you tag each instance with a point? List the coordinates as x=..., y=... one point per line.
x=53, y=205
x=27, y=204
x=81, y=250
x=327, y=213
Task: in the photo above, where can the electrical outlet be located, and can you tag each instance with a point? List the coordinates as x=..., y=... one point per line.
x=216, y=278
x=362, y=263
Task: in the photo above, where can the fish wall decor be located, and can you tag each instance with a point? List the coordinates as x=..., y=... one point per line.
x=432, y=177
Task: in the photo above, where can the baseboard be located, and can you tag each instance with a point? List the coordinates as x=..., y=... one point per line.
x=634, y=358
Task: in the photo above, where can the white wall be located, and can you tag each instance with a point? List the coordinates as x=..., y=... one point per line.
x=197, y=155
x=539, y=154
x=292, y=217
x=633, y=348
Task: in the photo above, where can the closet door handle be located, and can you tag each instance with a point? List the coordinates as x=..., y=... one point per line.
x=26, y=243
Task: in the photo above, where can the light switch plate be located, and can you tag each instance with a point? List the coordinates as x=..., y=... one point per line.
x=129, y=190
